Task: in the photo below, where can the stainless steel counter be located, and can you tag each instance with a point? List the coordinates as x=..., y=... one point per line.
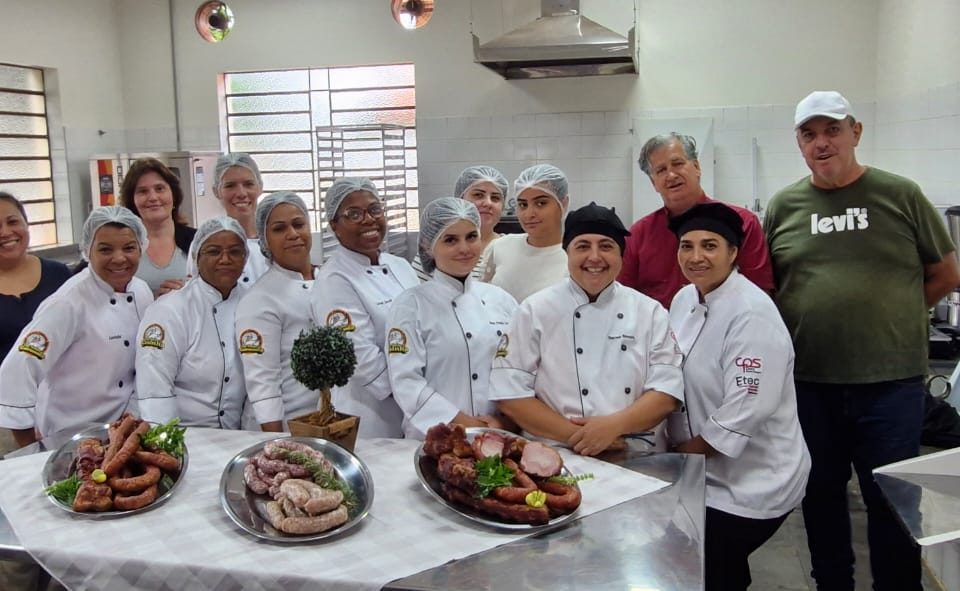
x=652, y=542
x=655, y=541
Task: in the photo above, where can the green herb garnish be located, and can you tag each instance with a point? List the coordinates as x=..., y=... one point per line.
x=491, y=473
x=64, y=490
x=168, y=438
x=322, y=476
x=571, y=480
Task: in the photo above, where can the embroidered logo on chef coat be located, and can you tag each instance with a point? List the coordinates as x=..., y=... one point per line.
x=36, y=344
x=153, y=336
x=397, y=341
x=752, y=368
x=340, y=319
x=502, y=346
x=251, y=341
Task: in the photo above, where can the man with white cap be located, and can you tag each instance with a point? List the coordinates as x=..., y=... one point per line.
x=74, y=363
x=587, y=360
x=187, y=363
x=860, y=255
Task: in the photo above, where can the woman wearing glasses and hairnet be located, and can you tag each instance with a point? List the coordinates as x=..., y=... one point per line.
x=275, y=310
x=238, y=185
x=440, y=374
x=523, y=264
x=74, y=362
x=187, y=363
x=354, y=292
x=486, y=188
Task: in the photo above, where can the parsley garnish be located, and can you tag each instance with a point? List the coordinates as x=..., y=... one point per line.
x=168, y=438
x=64, y=490
x=491, y=473
x=571, y=480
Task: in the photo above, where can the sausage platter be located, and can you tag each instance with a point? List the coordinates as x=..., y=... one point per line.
x=62, y=463
x=251, y=511
x=429, y=473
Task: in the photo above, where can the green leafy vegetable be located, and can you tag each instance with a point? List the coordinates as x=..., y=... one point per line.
x=491, y=473
x=571, y=480
x=322, y=476
x=168, y=438
x=65, y=490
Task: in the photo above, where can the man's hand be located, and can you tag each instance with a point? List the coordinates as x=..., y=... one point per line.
x=595, y=434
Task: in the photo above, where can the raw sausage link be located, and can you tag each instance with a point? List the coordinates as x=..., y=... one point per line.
x=126, y=503
x=136, y=484
x=313, y=525
x=294, y=490
x=253, y=481
x=322, y=500
x=275, y=514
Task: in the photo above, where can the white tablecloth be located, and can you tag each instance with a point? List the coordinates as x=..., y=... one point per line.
x=190, y=543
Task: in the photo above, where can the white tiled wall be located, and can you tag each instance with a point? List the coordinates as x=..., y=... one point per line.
x=594, y=149
x=918, y=136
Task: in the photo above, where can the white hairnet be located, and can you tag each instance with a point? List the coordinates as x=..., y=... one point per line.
x=546, y=177
x=265, y=207
x=480, y=174
x=228, y=161
x=342, y=187
x=111, y=214
x=437, y=216
x=206, y=230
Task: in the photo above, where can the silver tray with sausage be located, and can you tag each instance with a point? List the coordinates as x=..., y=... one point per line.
x=458, y=467
x=296, y=489
x=133, y=483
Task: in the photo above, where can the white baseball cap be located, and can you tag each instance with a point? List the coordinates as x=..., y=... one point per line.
x=822, y=103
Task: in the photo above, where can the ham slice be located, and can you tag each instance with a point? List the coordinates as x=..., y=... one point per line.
x=540, y=460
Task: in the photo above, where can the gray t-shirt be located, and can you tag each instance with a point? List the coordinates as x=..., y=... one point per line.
x=155, y=276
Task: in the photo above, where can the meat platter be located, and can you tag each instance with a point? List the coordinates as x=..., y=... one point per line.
x=65, y=461
x=253, y=503
x=433, y=467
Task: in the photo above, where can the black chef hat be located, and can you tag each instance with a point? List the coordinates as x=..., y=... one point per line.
x=594, y=219
x=714, y=217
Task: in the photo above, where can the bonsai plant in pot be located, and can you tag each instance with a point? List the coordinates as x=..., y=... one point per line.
x=321, y=358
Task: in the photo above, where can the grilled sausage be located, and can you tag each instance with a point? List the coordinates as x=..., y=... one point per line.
x=317, y=524
x=160, y=459
x=130, y=446
x=129, y=502
x=136, y=484
x=522, y=485
x=118, y=433
x=561, y=498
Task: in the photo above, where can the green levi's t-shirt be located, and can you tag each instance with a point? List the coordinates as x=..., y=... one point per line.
x=849, y=269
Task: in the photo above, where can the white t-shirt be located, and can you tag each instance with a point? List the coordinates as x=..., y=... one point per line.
x=522, y=270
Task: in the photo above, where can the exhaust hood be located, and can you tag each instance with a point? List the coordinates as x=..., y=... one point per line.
x=561, y=43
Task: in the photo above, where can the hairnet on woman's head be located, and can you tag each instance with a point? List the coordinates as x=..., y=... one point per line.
x=342, y=187
x=437, y=216
x=111, y=214
x=546, y=177
x=265, y=208
x=480, y=174
x=209, y=228
x=228, y=161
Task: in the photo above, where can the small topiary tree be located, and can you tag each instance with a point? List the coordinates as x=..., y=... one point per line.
x=322, y=357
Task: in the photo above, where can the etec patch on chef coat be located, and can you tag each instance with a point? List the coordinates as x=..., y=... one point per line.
x=153, y=336
x=502, y=346
x=397, y=341
x=251, y=341
x=752, y=368
x=340, y=319
x=36, y=344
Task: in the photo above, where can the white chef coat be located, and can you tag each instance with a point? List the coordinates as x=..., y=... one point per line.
x=256, y=264
x=440, y=345
x=741, y=398
x=74, y=364
x=188, y=364
x=269, y=319
x=587, y=359
x=355, y=296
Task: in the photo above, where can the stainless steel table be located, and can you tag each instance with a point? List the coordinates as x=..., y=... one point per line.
x=654, y=541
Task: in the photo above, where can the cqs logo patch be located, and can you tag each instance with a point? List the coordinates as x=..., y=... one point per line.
x=750, y=364
x=502, y=346
x=251, y=342
x=153, y=336
x=338, y=318
x=35, y=344
x=397, y=341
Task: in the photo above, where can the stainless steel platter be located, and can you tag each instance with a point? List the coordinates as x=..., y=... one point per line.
x=60, y=465
x=427, y=472
x=247, y=509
